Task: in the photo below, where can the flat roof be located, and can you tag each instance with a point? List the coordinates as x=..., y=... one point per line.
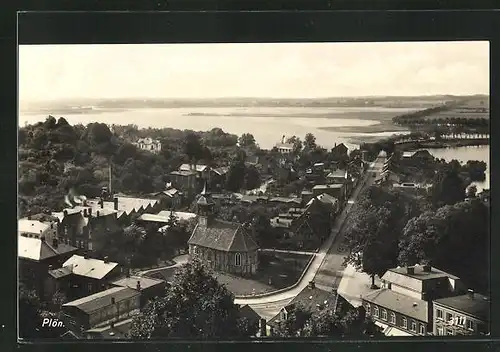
x=102, y=299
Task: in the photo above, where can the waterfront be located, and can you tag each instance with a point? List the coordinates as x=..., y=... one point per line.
x=462, y=154
x=329, y=125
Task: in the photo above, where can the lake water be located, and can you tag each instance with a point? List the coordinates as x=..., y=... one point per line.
x=463, y=154
x=267, y=125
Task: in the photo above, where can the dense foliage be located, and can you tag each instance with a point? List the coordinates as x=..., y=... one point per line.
x=387, y=228
x=374, y=225
x=194, y=306
x=55, y=157
x=33, y=311
x=342, y=323
x=448, y=238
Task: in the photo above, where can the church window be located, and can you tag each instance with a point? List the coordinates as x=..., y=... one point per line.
x=237, y=259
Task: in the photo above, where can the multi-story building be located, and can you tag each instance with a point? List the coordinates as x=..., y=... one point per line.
x=84, y=228
x=36, y=256
x=149, y=144
x=403, y=305
x=30, y=227
x=338, y=191
x=467, y=314
x=80, y=276
x=186, y=181
x=203, y=172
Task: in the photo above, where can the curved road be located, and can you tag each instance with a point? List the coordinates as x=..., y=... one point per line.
x=326, y=267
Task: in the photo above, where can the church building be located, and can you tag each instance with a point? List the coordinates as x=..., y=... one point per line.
x=222, y=245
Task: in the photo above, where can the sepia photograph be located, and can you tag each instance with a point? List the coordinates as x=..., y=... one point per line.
x=255, y=191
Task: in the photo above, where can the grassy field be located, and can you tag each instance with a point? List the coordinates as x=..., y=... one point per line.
x=276, y=271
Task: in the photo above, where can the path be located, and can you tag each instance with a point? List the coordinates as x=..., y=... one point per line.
x=270, y=250
x=327, y=263
x=182, y=259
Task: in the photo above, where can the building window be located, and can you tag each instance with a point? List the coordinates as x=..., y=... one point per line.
x=439, y=313
x=449, y=316
x=375, y=311
x=405, y=323
x=393, y=318
x=237, y=259
x=440, y=331
x=422, y=329
x=449, y=332
x=470, y=324
x=413, y=326
x=89, y=287
x=368, y=309
x=384, y=314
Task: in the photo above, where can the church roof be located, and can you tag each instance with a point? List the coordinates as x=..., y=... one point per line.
x=223, y=236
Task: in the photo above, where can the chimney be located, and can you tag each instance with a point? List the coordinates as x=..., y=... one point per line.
x=29, y=217
x=470, y=292
x=65, y=212
x=55, y=243
x=116, y=203
x=263, y=329
x=426, y=268
x=106, y=259
x=113, y=300
x=42, y=238
x=86, y=255
x=410, y=270
x=138, y=286
x=97, y=213
x=101, y=202
x=50, y=267
x=312, y=284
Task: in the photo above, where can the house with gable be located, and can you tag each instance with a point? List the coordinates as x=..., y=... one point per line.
x=222, y=245
x=36, y=256
x=81, y=275
x=311, y=299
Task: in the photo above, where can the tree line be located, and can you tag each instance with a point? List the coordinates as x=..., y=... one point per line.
x=388, y=227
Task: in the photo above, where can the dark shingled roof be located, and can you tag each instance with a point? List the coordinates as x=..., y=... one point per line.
x=60, y=272
x=223, y=236
x=247, y=312
x=311, y=299
x=478, y=307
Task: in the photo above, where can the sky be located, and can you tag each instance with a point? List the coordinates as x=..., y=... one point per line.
x=277, y=70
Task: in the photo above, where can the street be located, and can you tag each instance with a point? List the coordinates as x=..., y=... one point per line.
x=326, y=267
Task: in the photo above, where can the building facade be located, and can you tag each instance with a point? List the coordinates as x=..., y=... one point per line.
x=113, y=305
x=149, y=144
x=467, y=314
x=405, y=300
x=221, y=245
